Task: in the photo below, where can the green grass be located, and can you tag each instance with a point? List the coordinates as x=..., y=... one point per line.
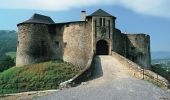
x=40, y=76
x=11, y=54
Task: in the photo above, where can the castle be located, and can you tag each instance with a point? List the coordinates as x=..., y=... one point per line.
x=41, y=39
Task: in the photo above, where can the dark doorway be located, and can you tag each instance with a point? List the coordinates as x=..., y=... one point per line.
x=102, y=48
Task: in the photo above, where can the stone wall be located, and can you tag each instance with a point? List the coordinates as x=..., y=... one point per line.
x=138, y=72
x=77, y=38
x=33, y=44
x=71, y=42
x=140, y=49
x=120, y=42
x=55, y=32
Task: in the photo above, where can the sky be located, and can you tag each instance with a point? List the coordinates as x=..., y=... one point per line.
x=133, y=16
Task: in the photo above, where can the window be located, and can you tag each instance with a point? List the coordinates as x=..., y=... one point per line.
x=104, y=21
x=108, y=22
x=100, y=21
x=56, y=44
x=18, y=43
x=67, y=25
x=42, y=43
x=109, y=27
x=95, y=23
x=132, y=48
x=65, y=44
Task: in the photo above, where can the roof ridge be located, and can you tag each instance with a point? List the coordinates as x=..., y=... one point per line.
x=101, y=12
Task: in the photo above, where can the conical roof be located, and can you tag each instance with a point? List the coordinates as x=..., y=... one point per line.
x=37, y=18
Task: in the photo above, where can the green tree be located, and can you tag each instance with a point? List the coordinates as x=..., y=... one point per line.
x=6, y=62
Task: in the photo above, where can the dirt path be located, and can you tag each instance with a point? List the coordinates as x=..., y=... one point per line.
x=111, y=82
x=107, y=68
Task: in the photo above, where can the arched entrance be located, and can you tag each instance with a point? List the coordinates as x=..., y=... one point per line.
x=102, y=48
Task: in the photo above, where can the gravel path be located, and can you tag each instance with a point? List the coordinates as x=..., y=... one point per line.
x=111, y=82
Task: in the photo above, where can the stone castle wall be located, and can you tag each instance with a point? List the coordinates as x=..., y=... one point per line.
x=120, y=43
x=55, y=33
x=33, y=44
x=77, y=39
x=135, y=47
x=75, y=42
x=141, y=52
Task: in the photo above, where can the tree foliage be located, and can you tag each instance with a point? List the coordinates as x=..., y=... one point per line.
x=8, y=41
x=6, y=62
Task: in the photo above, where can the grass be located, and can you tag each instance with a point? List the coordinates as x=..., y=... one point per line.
x=11, y=54
x=40, y=76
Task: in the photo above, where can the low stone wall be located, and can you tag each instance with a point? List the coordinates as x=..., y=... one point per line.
x=83, y=75
x=140, y=73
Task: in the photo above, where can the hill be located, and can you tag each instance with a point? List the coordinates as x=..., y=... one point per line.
x=8, y=41
x=40, y=76
x=160, y=55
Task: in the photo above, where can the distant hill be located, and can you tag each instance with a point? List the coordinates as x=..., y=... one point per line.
x=160, y=55
x=8, y=41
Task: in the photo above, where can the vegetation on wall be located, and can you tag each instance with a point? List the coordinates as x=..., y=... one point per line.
x=40, y=76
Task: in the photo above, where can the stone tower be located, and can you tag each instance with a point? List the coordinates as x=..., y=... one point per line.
x=33, y=40
x=102, y=26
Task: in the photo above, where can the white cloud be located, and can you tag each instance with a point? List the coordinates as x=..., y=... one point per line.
x=147, y=7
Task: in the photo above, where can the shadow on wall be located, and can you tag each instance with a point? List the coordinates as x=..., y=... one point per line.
x=56, y=41
x=97, y=68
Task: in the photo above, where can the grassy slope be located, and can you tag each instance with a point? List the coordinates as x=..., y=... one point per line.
x=34, y=77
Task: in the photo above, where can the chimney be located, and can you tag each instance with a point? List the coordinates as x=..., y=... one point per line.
x=83, y=15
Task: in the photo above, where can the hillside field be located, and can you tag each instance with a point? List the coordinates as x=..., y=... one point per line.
x=40, y=76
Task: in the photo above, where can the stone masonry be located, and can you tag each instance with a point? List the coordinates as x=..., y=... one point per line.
x=41, y=39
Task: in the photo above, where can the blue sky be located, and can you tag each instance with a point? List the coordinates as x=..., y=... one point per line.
x=140, y=16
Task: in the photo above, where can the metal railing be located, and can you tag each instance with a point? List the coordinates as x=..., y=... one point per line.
x=140, y=72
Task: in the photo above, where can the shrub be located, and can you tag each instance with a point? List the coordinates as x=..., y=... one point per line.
x=6, y=62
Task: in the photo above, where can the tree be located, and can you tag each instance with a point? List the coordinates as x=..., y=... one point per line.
x=6, y=62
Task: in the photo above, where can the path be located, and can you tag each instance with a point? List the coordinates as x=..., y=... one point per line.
x=111, y=82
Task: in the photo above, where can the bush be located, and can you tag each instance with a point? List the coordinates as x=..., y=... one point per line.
x=6, y=62
x=161, y=69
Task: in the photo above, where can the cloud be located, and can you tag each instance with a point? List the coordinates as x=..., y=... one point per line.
x=146, y=7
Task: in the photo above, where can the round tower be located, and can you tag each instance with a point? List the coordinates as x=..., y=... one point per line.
x=33, y=40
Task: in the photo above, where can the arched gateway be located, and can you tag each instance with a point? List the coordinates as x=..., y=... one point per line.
x=102, y=48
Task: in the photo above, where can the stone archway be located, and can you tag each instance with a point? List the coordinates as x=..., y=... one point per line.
x=102, y=48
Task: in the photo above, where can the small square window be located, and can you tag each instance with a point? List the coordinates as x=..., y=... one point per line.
x=42, y=42
x=132, y=48
x=65, y=44
x=67, y=25
x=18, y=43
x=56, y=44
